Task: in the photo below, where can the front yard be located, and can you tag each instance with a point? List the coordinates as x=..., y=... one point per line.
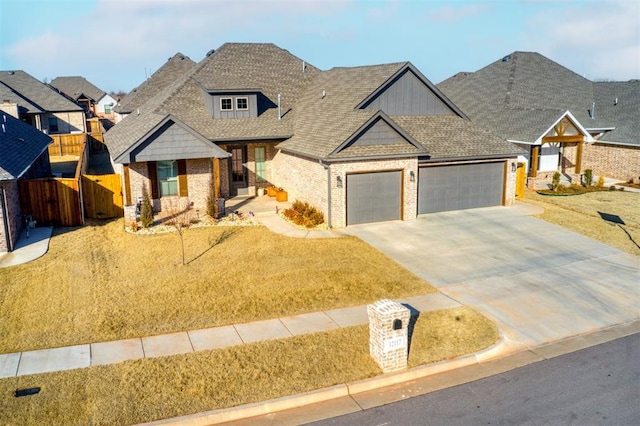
x=581, y=214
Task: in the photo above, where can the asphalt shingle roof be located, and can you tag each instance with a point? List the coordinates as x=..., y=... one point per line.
x=76, y=86
x=36, y=93
x=172, y=70
x=520, y=95
x=20, y=145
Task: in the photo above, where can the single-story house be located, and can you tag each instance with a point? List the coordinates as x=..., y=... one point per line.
x=362, y=144
x=175, y=67
x=23, y=155
x=93, y=100
x=565, y=122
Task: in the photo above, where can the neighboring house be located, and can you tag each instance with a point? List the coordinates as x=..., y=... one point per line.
x=95, y=101
x=566, y=122
x=39, y=105
x=362, y=144
x=173, y=69
x=23, y=155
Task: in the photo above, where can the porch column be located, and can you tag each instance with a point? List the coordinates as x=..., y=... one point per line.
x=216, y=178
x=535, y=154
x=579, y=158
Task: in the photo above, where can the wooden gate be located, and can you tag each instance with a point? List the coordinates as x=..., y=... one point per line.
x=102, y=196
x=521, y=178
x=52, y=201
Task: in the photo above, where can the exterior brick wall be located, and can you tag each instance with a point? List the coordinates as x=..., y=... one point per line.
x=510, y=182
x=68, y=122
x=569, y=153
x=616, y=161
x=12, y=215
x=199, y=176
x=303, y=179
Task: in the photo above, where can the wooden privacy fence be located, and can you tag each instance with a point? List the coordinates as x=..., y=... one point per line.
x=70, y=144
x=52, y=201
x=102, y=196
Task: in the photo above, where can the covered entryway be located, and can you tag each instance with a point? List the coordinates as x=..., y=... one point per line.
x=460, y=186
x=238, y=175
x=374, y=197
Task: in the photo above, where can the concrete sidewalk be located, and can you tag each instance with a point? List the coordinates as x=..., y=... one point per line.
x=102, y=353
x=29, y=247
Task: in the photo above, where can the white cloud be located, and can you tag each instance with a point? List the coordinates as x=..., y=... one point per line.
x=450, y=14
x=600, y=40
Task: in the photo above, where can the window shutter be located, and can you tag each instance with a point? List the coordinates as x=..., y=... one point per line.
x=183, y=189
x=152, y=170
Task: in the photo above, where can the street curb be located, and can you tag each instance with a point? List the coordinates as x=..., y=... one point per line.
x=225, y=415
x=503, y=348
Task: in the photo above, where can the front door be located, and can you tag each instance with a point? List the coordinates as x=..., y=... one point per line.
x=238, y=173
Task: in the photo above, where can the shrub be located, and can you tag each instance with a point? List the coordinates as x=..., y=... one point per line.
x=212, y=202
x=600, y=182
x=555, y=181
x=588, y=177
x=146, y=209
x=303, y=214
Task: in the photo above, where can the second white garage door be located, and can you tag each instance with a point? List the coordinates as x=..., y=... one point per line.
x=374, y=197
x=460, y=186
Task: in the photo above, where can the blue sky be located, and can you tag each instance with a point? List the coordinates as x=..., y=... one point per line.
x=116, y=43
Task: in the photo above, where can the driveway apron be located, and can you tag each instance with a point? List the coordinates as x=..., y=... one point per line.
x=538, y=281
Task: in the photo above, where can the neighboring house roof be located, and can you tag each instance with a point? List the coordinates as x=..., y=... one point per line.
x=75, y=87
x=323, y=113
x=519, y=95
x=35, y=96
x=20, y=145
x=172, y=70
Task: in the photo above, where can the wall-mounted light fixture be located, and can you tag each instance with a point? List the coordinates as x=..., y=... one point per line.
x=412, y=176
x=339, y=181
x=513, y=167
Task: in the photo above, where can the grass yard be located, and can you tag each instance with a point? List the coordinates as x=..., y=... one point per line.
x=579, y=213
x=99, y=283
x=150, y=389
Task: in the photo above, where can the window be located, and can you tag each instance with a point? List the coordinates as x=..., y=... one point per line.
x=260, y=158
x=242, y=103
x=168, y=178
x=53, y=124
x=107, y=109
x=226, y=104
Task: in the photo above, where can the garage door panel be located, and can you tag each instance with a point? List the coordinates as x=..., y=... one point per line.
x=373, y=197
x=461, y=186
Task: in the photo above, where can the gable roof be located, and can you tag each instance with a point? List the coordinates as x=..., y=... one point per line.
x=233, y=66
x=519, y=95
x=20, y=145
x=172, y=70
x=76, y=86
x=35, y=96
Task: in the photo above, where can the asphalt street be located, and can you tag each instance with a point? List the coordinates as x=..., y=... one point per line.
x=597, y=385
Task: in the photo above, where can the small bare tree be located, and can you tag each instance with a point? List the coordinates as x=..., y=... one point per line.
x=180, y=217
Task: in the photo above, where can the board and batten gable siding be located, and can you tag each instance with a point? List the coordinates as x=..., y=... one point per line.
x=170, y=142
x=380, y=133
x=407, y=95
x=212, y=104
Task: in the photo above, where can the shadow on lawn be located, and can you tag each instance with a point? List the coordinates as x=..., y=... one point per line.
x=617, y=220
x=213, y=242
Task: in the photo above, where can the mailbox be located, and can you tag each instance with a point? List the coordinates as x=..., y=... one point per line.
x=389, y=334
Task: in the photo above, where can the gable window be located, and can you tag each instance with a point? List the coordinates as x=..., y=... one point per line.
x=242, y=104
x=168, y=178
x=107, y=109
x=226, y=104
x=53, y=124
x=260, y=158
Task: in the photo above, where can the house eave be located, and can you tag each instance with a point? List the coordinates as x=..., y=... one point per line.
x=503, y=157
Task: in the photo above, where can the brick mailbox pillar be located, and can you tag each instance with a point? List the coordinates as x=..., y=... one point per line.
x=388, y=334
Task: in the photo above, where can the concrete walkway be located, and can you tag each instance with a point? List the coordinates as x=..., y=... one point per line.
x=29, y=247
x=86, y=355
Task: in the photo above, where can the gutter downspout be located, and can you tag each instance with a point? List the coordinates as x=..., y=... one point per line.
x=4, y=219
x=326, y=166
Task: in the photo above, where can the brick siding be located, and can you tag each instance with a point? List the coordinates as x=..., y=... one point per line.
x=616, y=161
x=12, y=216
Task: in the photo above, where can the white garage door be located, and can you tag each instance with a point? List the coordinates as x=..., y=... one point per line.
x=374, y=197
x=460, y=186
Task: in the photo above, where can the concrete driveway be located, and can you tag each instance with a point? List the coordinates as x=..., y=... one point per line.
x=539, y=282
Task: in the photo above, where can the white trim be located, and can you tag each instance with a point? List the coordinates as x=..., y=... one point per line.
x=574, y=121
x=246, y=98
x=225, y=98
x=523, y=142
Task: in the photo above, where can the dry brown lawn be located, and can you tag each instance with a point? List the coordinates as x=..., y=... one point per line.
x=579, y=213
x=99, y=283
x=150, y=389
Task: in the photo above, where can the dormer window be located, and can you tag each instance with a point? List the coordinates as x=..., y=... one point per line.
x=226, y=104
x=242, y=104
